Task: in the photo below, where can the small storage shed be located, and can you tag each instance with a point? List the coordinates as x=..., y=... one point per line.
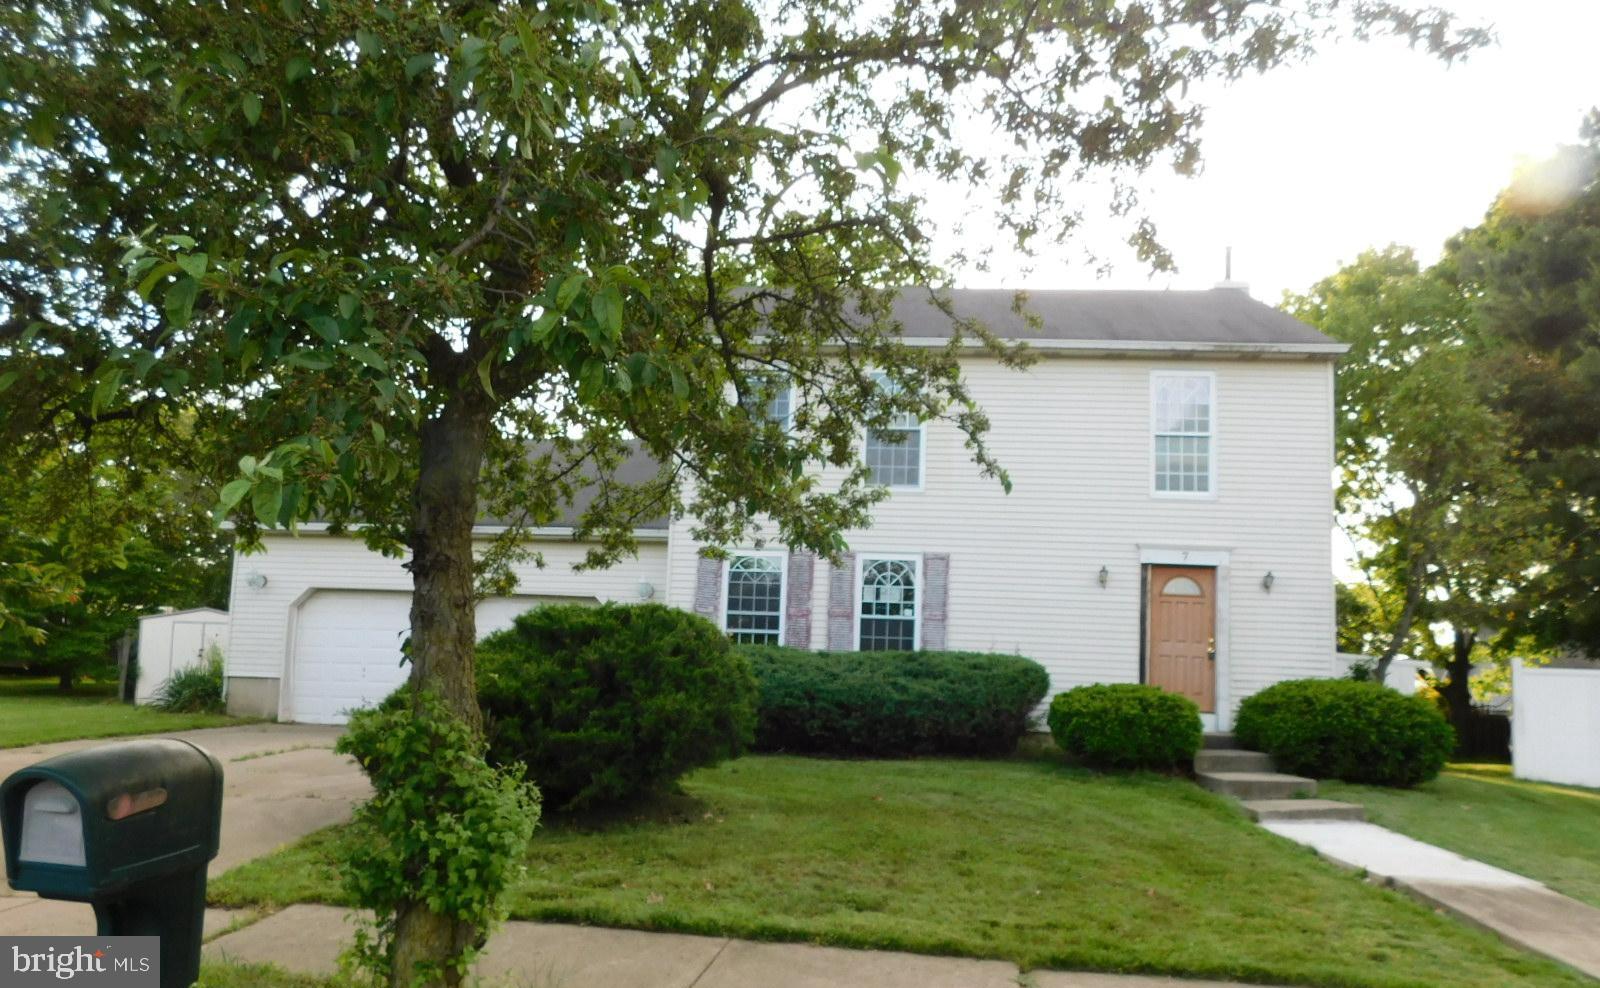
x=175, y=641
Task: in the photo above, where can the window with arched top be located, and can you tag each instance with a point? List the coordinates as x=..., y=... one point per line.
x=755, y=599
x=1182, y=586
x=888, y=611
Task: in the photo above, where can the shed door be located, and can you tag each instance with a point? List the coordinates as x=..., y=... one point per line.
x=1183, y=621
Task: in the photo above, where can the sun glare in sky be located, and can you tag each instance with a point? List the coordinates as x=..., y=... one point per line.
x=1368, y=144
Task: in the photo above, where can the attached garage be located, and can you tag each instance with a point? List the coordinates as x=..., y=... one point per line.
x=346, y=647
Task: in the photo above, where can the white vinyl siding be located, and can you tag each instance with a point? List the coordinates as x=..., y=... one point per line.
x=1181, y=423
x=1074, y=434
x=774, y=398
x=753, y=598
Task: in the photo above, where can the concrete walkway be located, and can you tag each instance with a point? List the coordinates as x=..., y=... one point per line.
x=308, y=939
x=1519, y=910
x=280, y=782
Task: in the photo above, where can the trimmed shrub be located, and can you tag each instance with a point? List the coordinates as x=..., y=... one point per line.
x=1126, y=725
x=605, y=704
x=195, y=690
x=894, y=703
x=1337, y=728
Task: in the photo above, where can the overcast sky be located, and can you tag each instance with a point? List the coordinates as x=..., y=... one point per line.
x=1366, y=145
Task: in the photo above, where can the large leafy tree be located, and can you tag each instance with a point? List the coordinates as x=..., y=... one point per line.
x=384, y=249
x=1534, y=267
x=1430, y=484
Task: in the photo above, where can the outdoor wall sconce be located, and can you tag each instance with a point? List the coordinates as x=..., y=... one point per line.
x=1105, y=576
x=646, y=590
x=256, y=581
x=1267, y=581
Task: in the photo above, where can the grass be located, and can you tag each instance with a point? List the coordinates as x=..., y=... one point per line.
x=1024, y=859
x=1546, y=832
x=217, y=975
x=33, y=711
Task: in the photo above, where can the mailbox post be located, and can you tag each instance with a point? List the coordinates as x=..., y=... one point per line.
x=127, y=827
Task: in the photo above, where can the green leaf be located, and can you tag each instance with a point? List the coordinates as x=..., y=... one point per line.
x=247, y=466
x=571, y=285
x=8, y=379
x=104, y=391
x=377, y=431
x=297, y=68
x=418, y=64
x=349, y=304
x=367, y=355
x=485, y=366
x=607, y=308
x=194, y=264
x=680, y=384
x=251, y=104
x=370, y=44
x=326, y=327
x=267, y=500
x=347, y=142
x=234, y=492
x=309, y=359
x=180, y=301
x=154, y=277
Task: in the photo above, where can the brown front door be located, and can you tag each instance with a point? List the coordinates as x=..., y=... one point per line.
x=1183, y=627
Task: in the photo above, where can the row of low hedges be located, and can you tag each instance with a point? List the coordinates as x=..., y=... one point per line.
x=894, y=703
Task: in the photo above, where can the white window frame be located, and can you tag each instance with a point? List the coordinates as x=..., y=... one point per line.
x=922, y=447
x=772, y=376
x=783, y=587
x=863, y=559
x=1213, y=446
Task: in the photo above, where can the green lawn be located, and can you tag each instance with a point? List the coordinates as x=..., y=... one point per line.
x=32, y=711
x=1548, y=833
x=1024, y=859
x=215, y=975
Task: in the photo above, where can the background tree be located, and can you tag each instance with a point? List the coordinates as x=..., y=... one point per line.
x=382, y=249
x=1534, y=265
x=1429, y=478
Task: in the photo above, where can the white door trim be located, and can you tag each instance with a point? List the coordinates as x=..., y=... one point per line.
x=1161, y=555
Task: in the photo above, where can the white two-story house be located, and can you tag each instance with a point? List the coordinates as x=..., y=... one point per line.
x=1172, y=461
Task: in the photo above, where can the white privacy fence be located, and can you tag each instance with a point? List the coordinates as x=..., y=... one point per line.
x=1555, y=726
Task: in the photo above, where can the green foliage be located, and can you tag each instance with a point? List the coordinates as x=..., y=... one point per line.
x=1337, y=728
x=1126, y=726
x=443, y=827
x=195, y=690
x=894, y=703
x=605, y=704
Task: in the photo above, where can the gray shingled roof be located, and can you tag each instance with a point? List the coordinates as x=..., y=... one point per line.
x=1216, y=316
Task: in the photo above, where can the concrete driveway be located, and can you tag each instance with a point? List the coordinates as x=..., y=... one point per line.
x=281, y=782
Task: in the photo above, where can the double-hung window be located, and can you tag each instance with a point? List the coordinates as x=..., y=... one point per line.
x=754, y=614
x=888, y=616
x=894, y=453
x=772, y=396
x=1183, y=430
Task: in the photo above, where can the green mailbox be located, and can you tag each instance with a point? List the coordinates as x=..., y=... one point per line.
x=127, y=827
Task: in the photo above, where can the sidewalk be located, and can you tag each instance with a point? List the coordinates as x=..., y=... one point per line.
x=307, y=940
x=1519, y=910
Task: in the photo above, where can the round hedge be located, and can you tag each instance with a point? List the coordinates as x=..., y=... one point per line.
x=1126, y=725
x=1341, y=729
x=894, y=703
x=604, y=704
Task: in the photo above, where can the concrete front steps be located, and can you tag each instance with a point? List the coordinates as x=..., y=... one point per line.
x=1251, y=777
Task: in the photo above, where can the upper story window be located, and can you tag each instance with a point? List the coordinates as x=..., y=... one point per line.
x=1183, y=429
x=894, y=453
x=755, y=599
x=887, y=618
x=773, y=395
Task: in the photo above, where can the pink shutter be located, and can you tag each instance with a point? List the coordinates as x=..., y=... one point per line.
x=842, y=604
x=935, y=600
x=708, y=589
x=797, y=608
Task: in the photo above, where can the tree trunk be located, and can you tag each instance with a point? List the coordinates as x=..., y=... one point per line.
x=443, y=633
x=64, y=680
x=1408, y=615
x=1457, y=690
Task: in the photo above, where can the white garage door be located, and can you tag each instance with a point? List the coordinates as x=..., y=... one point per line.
x=347, y=648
